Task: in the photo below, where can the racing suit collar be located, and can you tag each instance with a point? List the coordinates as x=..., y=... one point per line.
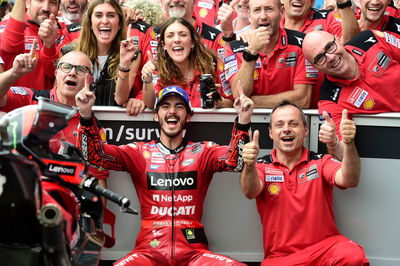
x=165, y=150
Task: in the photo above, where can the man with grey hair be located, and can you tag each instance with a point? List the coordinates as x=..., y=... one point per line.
x=72, y=70
x=72, y=11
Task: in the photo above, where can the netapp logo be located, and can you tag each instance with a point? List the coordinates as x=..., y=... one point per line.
x=61, y=169
x=164, y=181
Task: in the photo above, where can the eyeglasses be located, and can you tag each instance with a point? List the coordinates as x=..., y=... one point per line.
x=330, y=48
x=67, y=67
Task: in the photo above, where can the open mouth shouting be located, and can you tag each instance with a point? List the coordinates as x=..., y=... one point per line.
x=287, y=139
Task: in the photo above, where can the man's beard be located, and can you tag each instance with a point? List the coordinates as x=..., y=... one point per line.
x=74, y=16
x=178, y=13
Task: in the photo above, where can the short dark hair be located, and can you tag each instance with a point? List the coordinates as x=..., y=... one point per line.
x=286, y=103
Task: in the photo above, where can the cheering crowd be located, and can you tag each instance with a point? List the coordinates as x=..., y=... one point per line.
x=173, y=55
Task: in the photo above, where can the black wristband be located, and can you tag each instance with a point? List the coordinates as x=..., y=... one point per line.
x=230, y=38
x=122, y=69
x=86, y=121
x=247, y=56
x=344, y=5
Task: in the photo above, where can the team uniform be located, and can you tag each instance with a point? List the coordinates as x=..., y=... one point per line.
x=171, y=186
x=207, y=11
x=279, y=71
x=389, y=24
x=376, y=89
x=192, y=88
x=296, y=212
x=20, y=96
x=16, y=38
x=325, y=20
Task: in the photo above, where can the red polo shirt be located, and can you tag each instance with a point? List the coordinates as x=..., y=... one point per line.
x=279, y=71
x=376, y=89
x=295, y=206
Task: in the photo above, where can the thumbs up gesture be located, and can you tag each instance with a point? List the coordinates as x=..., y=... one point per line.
x=251, y=150
x=225, y=16
x=148, y=68
x=347, y=128
x=48, y=31
x=327, y=132
x=85, y=98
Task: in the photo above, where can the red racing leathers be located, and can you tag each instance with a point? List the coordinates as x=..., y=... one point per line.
x=171, y=186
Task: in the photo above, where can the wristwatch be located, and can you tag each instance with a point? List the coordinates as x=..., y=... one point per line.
x=232, y=37
x=247, y=56
x=344, y=4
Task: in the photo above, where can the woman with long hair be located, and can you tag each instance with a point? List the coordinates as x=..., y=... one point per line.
x=181, y=60
x=102, y=37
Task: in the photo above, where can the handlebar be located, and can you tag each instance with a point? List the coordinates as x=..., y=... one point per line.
x=92, y=186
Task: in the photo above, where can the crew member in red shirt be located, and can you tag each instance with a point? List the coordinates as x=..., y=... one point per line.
x=361, y=76
x=271, y=67
x=293, y=188
x=19, y=32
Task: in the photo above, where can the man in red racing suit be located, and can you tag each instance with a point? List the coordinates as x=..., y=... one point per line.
x=171, y=177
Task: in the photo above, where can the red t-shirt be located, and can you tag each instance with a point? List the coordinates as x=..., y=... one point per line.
x=376, y=89
x=17, y=38
x=279, y=71
x=295, y=206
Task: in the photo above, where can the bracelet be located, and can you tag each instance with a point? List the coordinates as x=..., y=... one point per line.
x=147, y=81
x=334, y=147
x=123, y=78
x=122, y=69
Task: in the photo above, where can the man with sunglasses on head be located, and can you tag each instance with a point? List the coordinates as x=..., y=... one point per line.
x=362, y=76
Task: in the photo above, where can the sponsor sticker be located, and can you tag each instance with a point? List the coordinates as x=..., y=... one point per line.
x=154, y=243
x=357, y=96
x=203, y=12
x=274, y=178
x=190, y=234
x=274, y=189
x=19, y=90
x=231, y=64
x=229, y=58
x=188, y=162
x=230, y=72
x=369, y=104
x=205, y=5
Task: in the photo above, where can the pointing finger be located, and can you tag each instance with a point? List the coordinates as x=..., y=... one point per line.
x=32, y=52
x=87, y=81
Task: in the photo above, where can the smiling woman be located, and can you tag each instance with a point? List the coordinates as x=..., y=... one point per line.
x=103, y=29
x=182, y=59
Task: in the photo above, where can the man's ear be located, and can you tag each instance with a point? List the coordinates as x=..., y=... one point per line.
x=155, y=117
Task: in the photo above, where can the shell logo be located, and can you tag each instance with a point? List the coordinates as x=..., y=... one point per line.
x=103, y=136
x=221, y=42
x=146, y=154
x=274, y=189
x=379, y=33
x=203, y=13
x=153, y=34
x=221, y=66
x=255, y=74
x=369, y=104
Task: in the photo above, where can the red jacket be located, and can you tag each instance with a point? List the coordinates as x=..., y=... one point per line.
x=17, y=38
